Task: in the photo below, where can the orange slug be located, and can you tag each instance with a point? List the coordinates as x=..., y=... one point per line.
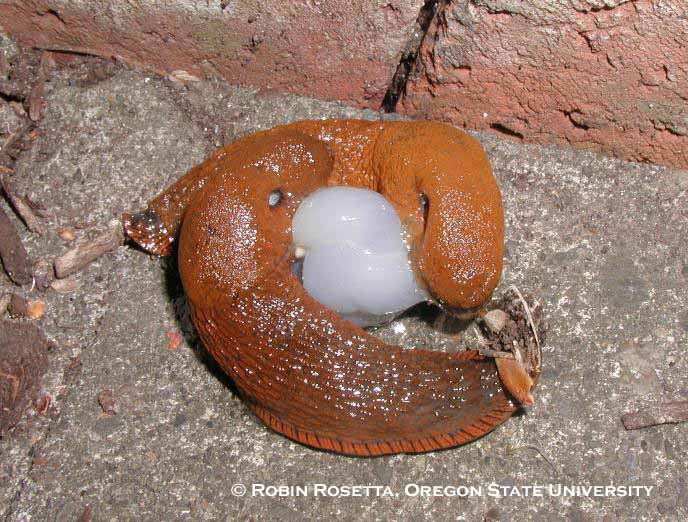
x=304, y=370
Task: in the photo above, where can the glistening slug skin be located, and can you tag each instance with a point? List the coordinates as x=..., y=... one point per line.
x=303, y=369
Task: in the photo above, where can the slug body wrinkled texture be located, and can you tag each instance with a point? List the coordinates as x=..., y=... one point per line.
x=305, y=371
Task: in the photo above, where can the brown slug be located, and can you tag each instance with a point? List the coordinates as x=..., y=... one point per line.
x=305, y=371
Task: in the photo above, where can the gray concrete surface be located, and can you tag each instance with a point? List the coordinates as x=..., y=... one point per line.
x=599, y=242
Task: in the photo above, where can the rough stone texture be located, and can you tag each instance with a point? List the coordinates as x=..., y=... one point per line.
x=606, y=75
x=600, y=242
x=339, y=50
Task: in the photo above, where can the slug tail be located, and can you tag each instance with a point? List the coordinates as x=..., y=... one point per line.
x=488, y=420
x=148, y=231
x=326, y=383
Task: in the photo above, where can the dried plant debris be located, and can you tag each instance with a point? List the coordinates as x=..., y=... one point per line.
x=21, y=206
x=13, y=145
x=513, y=332
x=23, y=361
x=509, y=322
x=15, y=260
x=88, y=251
x=36, y=100
x=86, y=71
x=43, y=274
x=664, y=413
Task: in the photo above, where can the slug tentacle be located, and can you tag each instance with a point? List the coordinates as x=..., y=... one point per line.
x=304, y=370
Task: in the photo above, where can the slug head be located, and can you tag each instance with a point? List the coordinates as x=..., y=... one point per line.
x=451, y=206
x=239, y=225
x=458, y=255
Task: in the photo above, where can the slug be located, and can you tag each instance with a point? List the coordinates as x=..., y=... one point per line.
x=305, y=371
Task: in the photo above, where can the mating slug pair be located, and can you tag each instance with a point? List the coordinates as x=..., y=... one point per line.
x=305, y=371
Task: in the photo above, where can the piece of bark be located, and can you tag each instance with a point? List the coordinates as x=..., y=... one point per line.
x=21, y=207
x=89, y=251
x=23, y=361
x=43, y=403
x=654, y=415
x=15, y=260
x=36, y=99
x=18, y=306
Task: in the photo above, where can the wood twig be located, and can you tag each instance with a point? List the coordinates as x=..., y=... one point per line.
x=87, y=252
x=35, y=100
x=540, y=452
x=523, y=301
x=654, y=415
x=21, y=207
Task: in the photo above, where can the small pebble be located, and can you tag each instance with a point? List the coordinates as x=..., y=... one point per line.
x=495, y=320
x=183, y=77
x=36, y=308
x=66, y=234
x=174, y=340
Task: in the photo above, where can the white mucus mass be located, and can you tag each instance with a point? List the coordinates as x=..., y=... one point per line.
x=356, y=259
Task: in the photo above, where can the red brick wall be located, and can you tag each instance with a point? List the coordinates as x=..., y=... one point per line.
x=606, y=75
